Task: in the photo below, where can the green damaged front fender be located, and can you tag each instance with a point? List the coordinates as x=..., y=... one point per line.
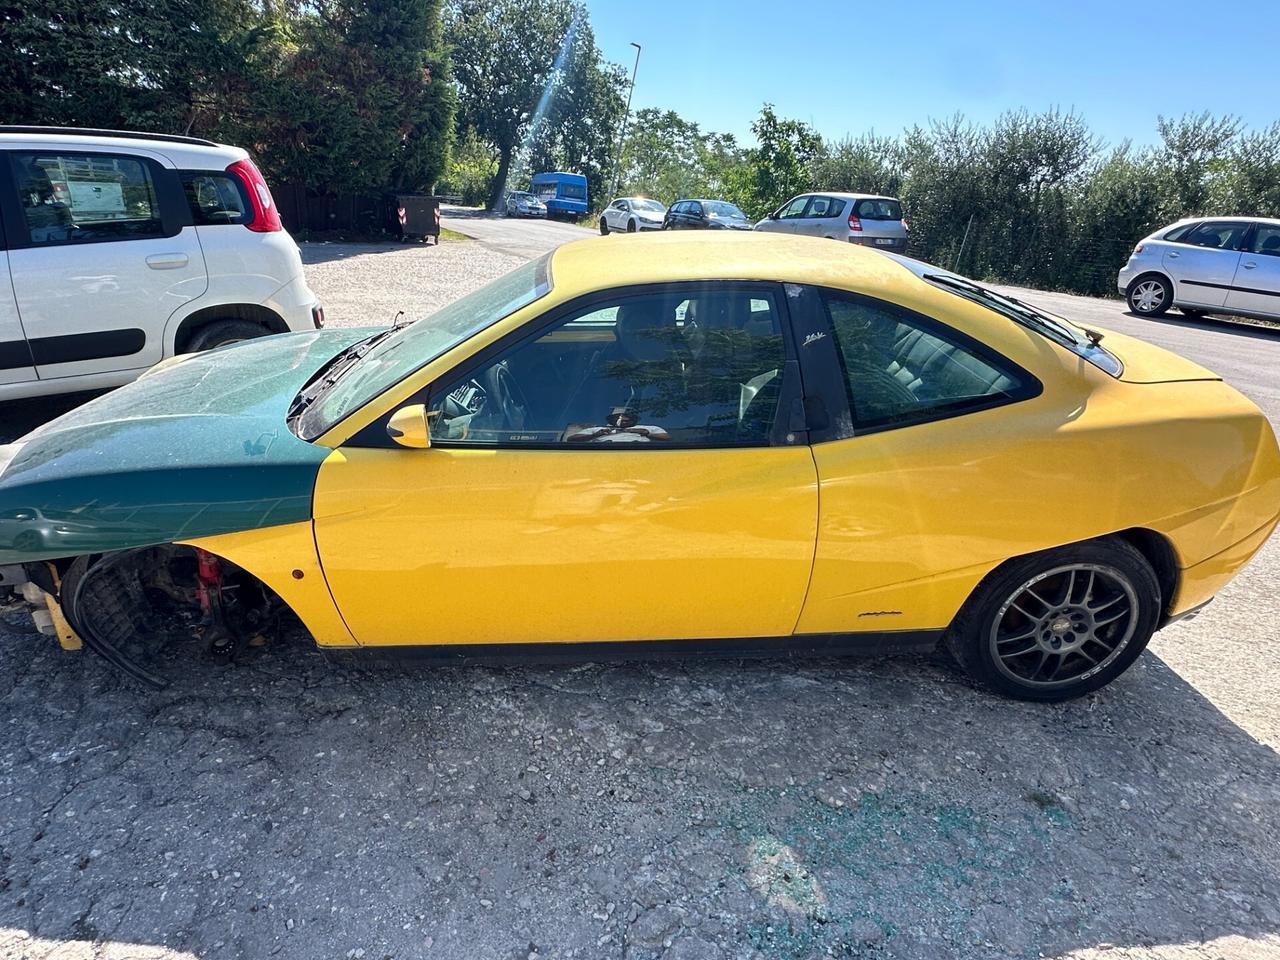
x=197, y=449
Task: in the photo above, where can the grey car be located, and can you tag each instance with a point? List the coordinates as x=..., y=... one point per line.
x=863, y=218
x=1206, y=265
x=523, y=204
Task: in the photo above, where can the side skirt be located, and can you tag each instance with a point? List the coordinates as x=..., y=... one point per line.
x=788, y=648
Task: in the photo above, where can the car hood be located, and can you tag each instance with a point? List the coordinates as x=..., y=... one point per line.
x=197, y=448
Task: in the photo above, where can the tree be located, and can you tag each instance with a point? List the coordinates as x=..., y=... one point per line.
x=777, y=168
x=670, y=158
x=578, y=121
x=362, y=100
x=505, y=55
x=134, y=64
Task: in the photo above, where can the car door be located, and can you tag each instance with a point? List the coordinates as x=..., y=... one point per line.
x=613, y=215
x=1203, y=266
x=16, y=365
x=620, y=472
x=791, y=216
x=820, y=217
x=914, y=445
x=1256, y=289
x=101, y=254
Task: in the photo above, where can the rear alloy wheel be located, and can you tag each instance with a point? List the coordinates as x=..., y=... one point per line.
x=1059, y=624
x=220, y=333
x=1150, y=296
x=604, y=227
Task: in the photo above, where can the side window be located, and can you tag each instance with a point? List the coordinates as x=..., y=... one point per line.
x=822, y=207
x=80, y=198
x=1220, y=234
x=1266, y=240
x=834, y=207
x=1179, y=234
x=794, y=209
x=902, y=368
x=216, y=198
x=702, y=367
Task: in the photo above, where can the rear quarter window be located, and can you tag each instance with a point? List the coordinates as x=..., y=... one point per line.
x=214, y=197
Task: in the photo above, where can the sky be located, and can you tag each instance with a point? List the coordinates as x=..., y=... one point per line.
x=863, y=65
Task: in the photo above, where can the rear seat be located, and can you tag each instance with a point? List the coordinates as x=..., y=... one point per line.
x=933, y=369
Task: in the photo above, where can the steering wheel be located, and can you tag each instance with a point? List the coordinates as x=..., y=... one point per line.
x=505, y=394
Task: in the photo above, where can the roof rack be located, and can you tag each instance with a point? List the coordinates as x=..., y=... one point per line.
x=92, y=132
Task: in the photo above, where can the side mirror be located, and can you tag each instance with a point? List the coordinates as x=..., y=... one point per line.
x=408, y=427
x=774, y=215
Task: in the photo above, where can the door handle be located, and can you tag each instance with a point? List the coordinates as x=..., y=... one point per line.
x=1173, y=256
x=1250, y=265
x=167, y=261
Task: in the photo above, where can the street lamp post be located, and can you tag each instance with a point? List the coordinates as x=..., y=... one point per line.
x=617, y=159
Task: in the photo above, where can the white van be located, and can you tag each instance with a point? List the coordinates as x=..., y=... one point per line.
x=120, y=249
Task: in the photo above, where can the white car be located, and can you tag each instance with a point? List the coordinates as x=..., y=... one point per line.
x=1206, y=265
x=631, y=215
x=122, y=249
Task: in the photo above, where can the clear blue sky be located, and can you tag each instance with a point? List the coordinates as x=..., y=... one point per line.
x=854, y=66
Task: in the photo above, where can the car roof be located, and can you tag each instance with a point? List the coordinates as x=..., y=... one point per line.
x=1204, y=218
x=596, y=263
x=184, y=152
x=850, y=196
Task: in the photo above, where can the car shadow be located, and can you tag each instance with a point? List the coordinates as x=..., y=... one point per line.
x=291, y=807
x=1240, y=328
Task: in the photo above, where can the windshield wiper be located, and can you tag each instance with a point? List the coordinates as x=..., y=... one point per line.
x=333, y=371
x=1016, y=309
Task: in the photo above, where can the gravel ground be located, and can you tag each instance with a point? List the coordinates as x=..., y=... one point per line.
x=291, y=807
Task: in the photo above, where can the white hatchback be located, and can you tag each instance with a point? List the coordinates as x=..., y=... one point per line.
x=121, y=249
x=632, y=215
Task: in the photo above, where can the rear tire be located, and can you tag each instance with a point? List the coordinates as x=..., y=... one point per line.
x=604, y=227
x=1058, y=624
x=1151, y=295
x=222, y=332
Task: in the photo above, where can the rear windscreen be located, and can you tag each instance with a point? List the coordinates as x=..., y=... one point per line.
x=879, y=210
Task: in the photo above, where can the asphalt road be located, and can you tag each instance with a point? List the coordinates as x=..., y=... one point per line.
x=294, y=808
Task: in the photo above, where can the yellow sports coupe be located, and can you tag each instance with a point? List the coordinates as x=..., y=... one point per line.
x=746, y=444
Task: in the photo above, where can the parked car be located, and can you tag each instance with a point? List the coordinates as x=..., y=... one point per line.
x=854, y=217
x=705, y=215
x=1206, y=265
x=126, y=248
x=631, y=215
x=520, y=203
x=668, y=446
x=565, y=194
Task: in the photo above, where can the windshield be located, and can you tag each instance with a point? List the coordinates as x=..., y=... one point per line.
x=1083, y=343
x=718, y=208
x=416, y=344
x=653, y=205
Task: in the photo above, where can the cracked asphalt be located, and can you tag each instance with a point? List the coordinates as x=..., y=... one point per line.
x=289, y=806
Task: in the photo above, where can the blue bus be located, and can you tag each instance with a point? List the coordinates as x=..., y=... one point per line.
x=565, y=194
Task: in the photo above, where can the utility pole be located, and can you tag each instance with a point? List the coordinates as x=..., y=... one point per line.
x=617, y=159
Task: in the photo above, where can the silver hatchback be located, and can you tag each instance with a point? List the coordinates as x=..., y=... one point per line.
x=863, y=218
x=1206, y=265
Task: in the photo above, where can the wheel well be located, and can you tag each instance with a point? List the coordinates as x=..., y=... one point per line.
x=1159, y=553
x=265, y=317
